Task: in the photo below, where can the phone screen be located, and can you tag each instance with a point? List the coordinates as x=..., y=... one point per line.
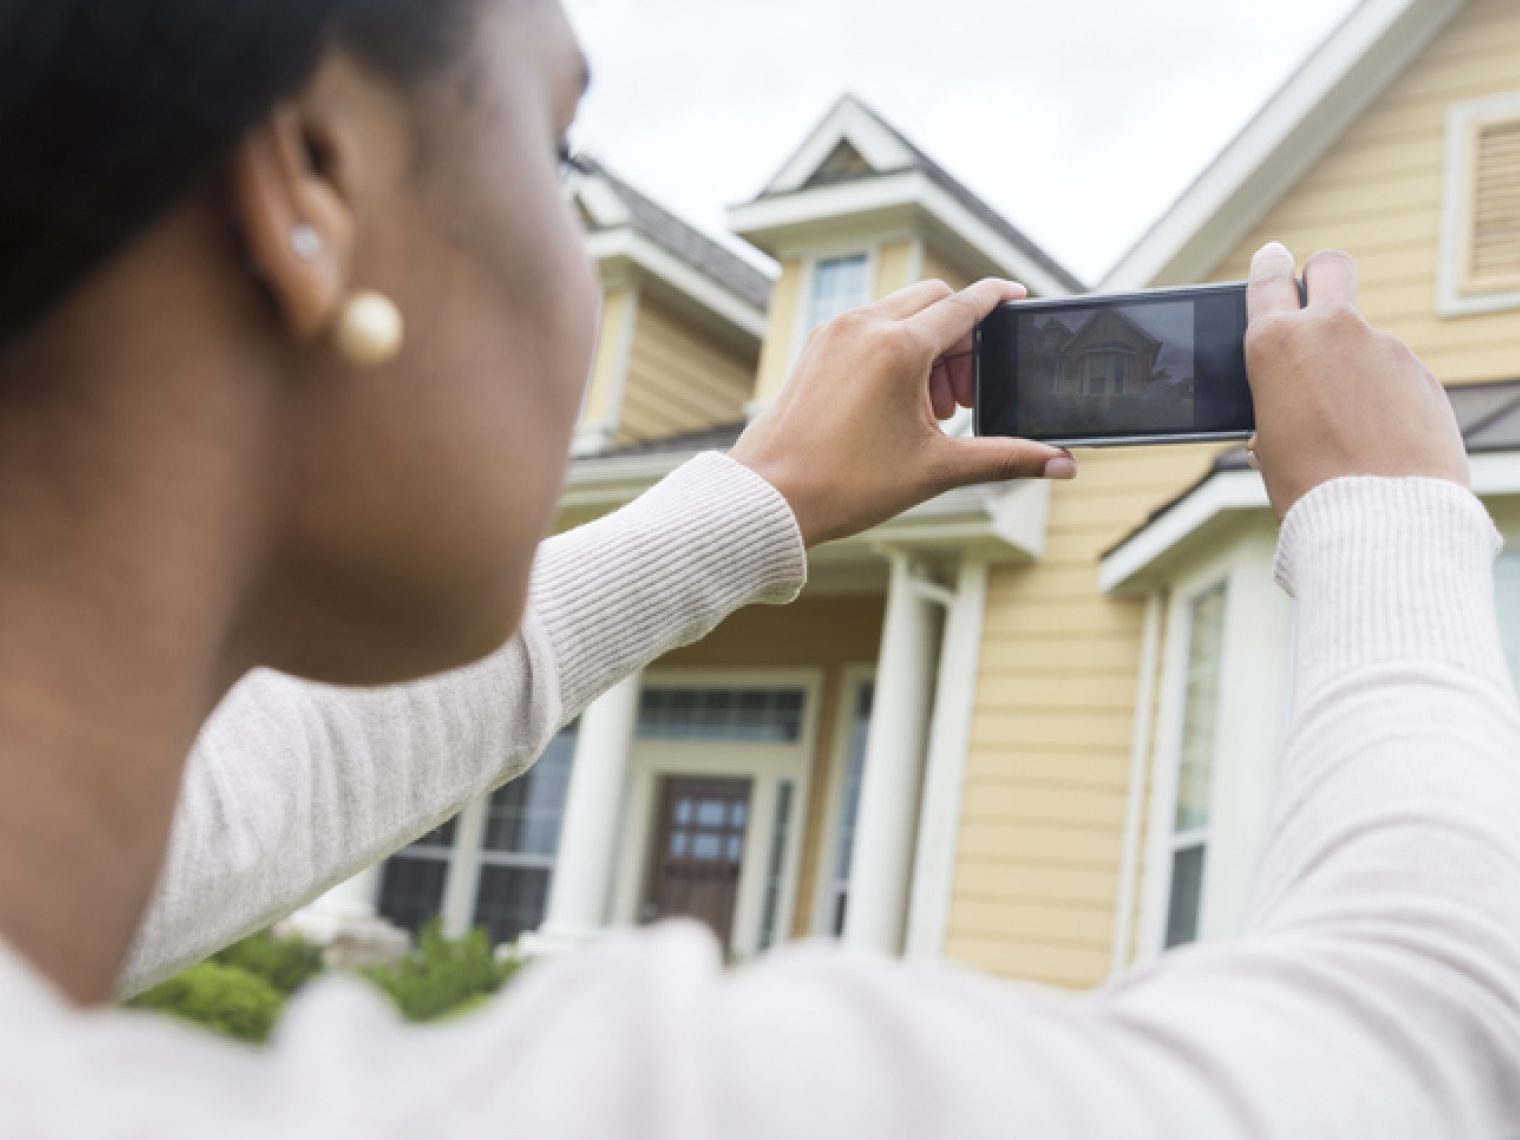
x=1143, y=368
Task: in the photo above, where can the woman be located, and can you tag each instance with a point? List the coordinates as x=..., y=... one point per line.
x=293, y=332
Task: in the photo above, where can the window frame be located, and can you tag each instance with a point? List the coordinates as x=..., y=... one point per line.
x=1464, y=122
x=1255, y=682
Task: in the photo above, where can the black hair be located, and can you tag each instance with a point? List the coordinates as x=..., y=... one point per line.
x=112, y=109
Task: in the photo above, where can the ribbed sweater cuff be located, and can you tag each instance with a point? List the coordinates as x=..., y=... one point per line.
x=1390, y=570
x=663, y=571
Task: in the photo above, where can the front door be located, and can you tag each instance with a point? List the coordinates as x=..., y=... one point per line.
x=698, y=851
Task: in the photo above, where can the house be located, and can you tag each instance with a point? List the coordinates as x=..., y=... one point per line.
x=1029, y=727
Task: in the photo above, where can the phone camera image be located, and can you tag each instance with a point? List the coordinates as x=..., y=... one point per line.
x=1158, y=367
x=1088, y=372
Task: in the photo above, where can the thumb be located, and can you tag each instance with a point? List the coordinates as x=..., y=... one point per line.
x=995, y=460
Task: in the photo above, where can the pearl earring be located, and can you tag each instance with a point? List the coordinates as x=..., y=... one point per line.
x=306, y=242
x=370, y=330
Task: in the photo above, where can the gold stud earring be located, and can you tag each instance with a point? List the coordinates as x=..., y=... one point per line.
x=370, y=330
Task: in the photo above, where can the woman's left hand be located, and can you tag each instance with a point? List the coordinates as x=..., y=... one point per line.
x=854, y=438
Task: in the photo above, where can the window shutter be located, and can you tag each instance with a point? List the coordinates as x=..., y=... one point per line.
x=1492, y=264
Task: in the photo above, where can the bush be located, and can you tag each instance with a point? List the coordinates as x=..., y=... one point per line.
x=287, y=964
x=223, y=998
x=442, y=976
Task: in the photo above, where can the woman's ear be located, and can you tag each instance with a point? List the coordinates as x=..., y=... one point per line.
x=295, y=221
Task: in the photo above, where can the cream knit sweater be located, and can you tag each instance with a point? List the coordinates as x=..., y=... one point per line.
x=1376, y=992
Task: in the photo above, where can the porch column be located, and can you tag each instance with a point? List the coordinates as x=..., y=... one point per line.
x=886, y=822
x=949, y=740
x=594, y=802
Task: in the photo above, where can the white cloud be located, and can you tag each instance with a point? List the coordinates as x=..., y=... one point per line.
x=1080, y=120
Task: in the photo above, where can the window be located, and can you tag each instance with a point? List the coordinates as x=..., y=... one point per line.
x=1104, y=374
x=413, y=880
x=849, y=807
x=1507, y=595
x=520, y=843
x=512, y=866
x=1195, y=767
x=839, y=284
x=1480, y=258
x=740, y=716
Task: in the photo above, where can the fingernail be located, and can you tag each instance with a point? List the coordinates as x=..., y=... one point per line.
x=1062, y=468
x=1277, y=247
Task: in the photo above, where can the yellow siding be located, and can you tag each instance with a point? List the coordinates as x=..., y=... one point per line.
x=1378, y=194
x=780, y=333
x=823, y=633
x=1036, y=877
x=680, y=378
x=937, y=268
x=894, y=265
x=607, y=371
x=1037, y=866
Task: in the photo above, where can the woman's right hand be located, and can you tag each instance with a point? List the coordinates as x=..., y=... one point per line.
x=1334, y=396
x=854, y=438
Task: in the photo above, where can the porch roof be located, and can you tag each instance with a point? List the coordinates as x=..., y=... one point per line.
x=1003, y=522
x=1487, y=414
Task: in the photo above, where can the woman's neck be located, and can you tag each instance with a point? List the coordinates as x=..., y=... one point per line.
x=125, y=556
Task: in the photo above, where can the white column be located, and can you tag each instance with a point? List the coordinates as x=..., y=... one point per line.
x=949, y=740
x=459, y=888
x=887, y=818
x=584, y=865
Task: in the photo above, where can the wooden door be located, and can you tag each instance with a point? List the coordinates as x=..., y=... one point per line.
x=698, y=851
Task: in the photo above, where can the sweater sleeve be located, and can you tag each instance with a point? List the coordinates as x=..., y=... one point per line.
x=294, y=787
x=1376, y=993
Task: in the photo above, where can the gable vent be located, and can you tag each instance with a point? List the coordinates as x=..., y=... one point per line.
x=1493, y=261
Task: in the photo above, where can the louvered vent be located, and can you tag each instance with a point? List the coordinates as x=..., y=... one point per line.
x=1494, y=257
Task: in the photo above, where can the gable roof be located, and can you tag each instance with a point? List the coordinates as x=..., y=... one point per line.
x=1371, y=48
x=614, y=210
x=853, y=146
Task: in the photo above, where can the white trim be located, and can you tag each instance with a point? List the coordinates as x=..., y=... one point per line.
x=1139, y=754
x=908, y=190
x=939, y=819
x=690, y=282
x=1007, y=519
x=463, y=880
x=851, y=678
x=1253, y=688
x=764, y=764
x=1223, y=491
x=1355, y=65
x=1462, y=120
x=598, y=199
x=1130, y=565
x=848, y=122
x=1496, y=473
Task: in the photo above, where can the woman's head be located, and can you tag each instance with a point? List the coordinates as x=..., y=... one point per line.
x=192, y=192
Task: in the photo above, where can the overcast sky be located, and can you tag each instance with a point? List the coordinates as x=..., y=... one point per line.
x=1080, y=120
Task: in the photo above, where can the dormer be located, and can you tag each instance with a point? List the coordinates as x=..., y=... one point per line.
x=682, y=320
x=858, y=212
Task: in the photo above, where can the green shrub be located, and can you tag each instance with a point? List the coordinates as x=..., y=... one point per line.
x=223, y=998
x=442, y=975
x=287, y=964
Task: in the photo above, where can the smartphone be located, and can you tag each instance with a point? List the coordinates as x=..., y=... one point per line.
x=1163, y=366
